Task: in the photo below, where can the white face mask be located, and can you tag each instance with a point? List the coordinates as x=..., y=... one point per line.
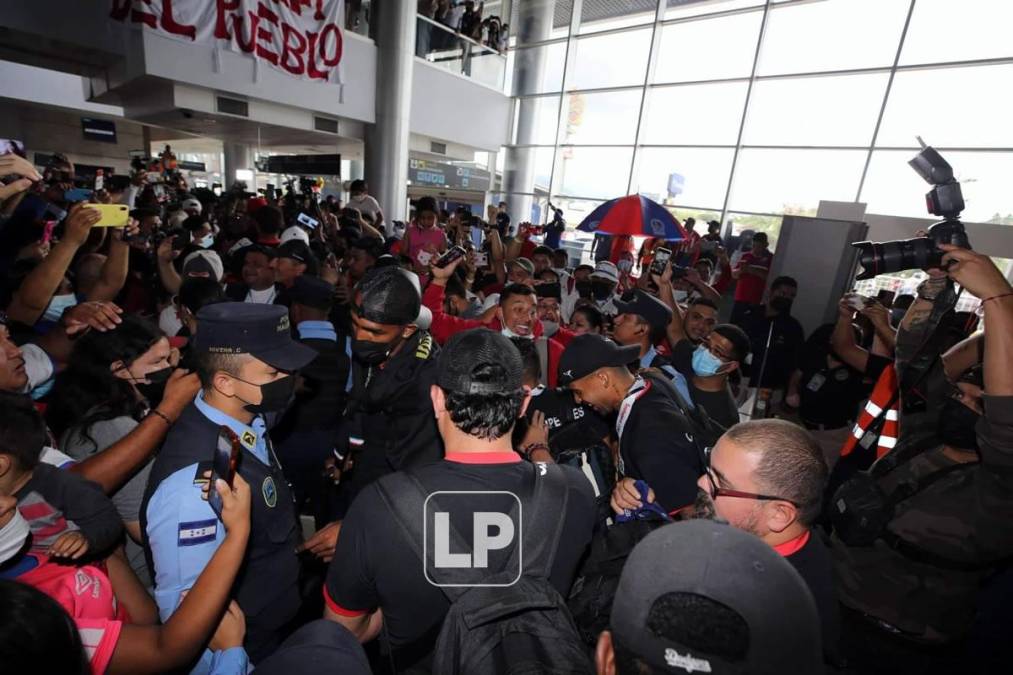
x=13, y=536
x=510, y=334
x=549, y=328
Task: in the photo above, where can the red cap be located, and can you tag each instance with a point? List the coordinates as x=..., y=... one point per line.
x=254, y=203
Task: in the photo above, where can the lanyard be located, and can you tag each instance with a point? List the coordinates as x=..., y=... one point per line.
x=639, y=388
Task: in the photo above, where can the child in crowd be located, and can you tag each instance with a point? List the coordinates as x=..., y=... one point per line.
x=69, y=516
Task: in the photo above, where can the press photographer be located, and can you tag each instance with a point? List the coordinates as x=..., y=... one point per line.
x=917, y=535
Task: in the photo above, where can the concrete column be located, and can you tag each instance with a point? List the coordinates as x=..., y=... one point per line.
x=387, y=139
x=237, y=156
x=356, y=169
x=534, y=25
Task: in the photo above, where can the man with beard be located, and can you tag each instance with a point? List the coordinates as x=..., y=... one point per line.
x=767, y=477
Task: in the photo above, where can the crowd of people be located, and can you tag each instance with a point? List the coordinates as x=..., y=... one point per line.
x=463, y=17
x=276, y=432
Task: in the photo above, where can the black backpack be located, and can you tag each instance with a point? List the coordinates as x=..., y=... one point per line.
x=521, y=629
x=594, y=589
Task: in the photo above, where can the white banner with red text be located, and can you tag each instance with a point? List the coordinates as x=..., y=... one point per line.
x=300, y=37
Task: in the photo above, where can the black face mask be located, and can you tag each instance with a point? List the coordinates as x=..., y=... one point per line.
x=781, y=304
x=154, y=389
x=583, y=289
x=372, y=353
x=956, y=425
x=275, y=395
x=601, y=291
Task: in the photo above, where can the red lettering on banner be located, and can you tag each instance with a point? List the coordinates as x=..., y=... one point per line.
x=301, y=52
x=266, y=36
x=330, y=62
x=237, y=26
x=170, y=25
x=221, y=21
x=293, y=51
x=311, y=59
x=148, y=19
x=120, y=9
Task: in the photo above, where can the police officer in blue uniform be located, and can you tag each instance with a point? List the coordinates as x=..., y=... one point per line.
x=246, y=360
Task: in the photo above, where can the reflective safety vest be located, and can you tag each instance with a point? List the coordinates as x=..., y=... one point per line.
x=882, y=394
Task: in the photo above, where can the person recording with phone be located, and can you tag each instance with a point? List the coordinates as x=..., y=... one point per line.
x=246, y=360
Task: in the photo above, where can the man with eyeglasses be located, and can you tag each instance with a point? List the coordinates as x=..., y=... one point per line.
x=767, y=477
x=719, y=355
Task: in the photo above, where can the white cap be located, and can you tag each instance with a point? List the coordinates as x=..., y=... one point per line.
x=425, y=318
x=192, y=204
x=606, y=270
x=295, y=232
x=177, y=218
x=242, y=243
x=491, y=300
x=210, y=258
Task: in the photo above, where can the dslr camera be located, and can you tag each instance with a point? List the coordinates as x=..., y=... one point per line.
x=944, y=200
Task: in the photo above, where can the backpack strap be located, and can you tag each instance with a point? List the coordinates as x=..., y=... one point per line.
x=541, y=535
x=542, y=349
x=405, y=498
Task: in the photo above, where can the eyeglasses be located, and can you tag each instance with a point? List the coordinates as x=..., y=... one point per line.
x=716, y=492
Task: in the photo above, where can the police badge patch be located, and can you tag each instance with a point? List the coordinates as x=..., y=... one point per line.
x=270, y=492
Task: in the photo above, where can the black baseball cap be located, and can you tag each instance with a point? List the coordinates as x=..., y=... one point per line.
x=296, y=250
x=549, y=290
x=653, y=310
x=311, y=292
x=587, y=353
x=465, y=353
x=260, y=330
x=729, y=567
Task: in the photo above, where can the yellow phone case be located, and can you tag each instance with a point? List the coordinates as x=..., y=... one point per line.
x=113, y=215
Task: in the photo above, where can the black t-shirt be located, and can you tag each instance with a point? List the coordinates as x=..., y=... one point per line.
x=572, y=426
x=813, y=564
x=682, y=357
x=830, y=393
x=720, y=405
x=657, y=446
x=785, y=343
x=375, y=566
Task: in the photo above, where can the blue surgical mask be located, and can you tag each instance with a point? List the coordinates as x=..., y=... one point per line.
x=207, y=241
x=705, y=364
x=57, y=306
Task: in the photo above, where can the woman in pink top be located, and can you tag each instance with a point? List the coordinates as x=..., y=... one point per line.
x=424, y=241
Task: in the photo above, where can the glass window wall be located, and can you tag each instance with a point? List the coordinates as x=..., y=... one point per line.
x=706, y=122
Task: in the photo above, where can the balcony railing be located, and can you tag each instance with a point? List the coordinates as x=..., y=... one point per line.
x=442, y=47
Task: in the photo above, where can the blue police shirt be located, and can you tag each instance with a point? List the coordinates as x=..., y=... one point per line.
x=184, y=532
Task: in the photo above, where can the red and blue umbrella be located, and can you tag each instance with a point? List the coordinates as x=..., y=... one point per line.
x=636, y=216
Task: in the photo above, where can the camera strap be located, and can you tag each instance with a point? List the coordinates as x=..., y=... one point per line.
x=912, y=376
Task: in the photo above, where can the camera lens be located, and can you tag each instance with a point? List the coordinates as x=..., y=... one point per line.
x=895, y=256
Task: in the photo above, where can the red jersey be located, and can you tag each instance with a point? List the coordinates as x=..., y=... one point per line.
x=750, y=287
